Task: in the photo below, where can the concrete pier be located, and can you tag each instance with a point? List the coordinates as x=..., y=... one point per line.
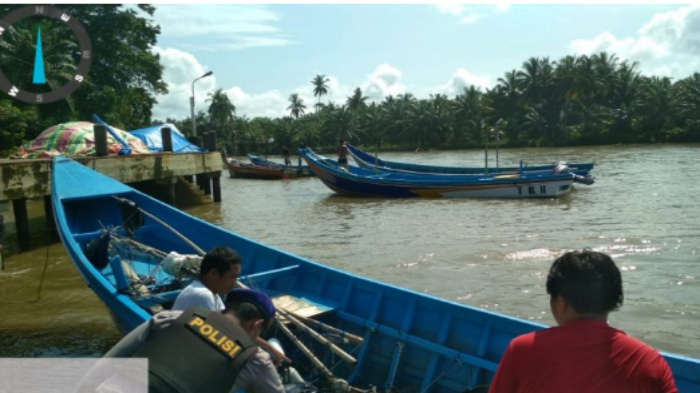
x=26, y=179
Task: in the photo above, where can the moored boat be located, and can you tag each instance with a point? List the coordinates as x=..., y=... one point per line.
x=370, y=182
x=368, y=160
x=410, y=341
x=297, y=170
x=252, y=171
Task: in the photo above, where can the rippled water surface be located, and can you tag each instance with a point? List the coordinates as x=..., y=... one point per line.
x=494, y=254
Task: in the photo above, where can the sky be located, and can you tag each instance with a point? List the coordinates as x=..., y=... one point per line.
x=260, y=54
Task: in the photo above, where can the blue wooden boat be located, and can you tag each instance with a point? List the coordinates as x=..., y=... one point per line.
x=411, y=341
x=368, y=160
x=370, y=182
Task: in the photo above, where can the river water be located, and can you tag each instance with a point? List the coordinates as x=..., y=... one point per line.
x=493, y=254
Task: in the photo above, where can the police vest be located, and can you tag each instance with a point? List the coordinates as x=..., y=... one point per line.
x=201, y=351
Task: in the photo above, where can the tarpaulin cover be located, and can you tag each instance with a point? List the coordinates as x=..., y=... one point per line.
x=151, y=136
x=76, y=138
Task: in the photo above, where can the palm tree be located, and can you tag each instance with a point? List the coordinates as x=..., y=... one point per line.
x=356, y=100
x=221, y=115
x=296, y=106
x=320, y=83
x=221, y=110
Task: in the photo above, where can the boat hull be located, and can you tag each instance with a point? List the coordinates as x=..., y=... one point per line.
x=412, y=341
x=360, y=181
x=367, y=160
x=253, y=171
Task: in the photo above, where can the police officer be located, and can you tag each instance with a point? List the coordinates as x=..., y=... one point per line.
x=199, y=350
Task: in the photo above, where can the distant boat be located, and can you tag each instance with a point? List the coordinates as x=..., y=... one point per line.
x=252, y=171
x=370, y=182
x=401, y=340
x=300, y=170
x=368, y=160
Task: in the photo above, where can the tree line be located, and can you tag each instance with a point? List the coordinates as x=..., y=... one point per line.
x=576, y=100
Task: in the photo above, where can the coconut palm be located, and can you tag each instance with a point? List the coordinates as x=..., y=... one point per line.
x=320, y=83
x=356, y=100
x=221, y=113
x=296, y=106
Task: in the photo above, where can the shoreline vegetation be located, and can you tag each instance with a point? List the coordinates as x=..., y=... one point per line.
x=596, y=99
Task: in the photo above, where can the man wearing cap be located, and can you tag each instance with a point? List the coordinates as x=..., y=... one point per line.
x=199, y=350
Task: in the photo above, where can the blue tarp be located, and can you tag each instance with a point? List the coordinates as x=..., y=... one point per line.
x=151, y=137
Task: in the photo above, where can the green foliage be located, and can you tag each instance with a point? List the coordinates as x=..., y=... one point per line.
x=14, y=124
x=576, y=100
x=122, y=83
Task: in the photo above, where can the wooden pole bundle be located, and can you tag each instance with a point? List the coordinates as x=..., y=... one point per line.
x=343, y=355
x=328, y=328
x=314, y=360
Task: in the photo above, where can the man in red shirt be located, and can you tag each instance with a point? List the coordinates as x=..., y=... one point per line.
x=584, y=353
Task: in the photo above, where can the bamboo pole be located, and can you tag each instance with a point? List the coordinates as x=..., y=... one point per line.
x=314, y=360
x=161, y=222
x=343, y=334
x=337, y=350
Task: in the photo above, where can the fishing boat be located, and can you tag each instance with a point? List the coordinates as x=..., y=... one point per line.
x=298, y=170
x=368, y=160
x=123, y=241
x=376, y=182
x=252, y=171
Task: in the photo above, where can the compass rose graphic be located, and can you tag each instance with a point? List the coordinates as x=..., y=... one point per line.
x=23, y=21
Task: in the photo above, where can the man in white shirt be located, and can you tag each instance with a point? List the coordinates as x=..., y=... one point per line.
x=219, y=273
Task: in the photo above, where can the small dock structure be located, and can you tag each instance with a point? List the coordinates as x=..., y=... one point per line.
x=23, y=179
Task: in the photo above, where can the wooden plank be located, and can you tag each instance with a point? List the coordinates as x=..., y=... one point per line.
x=299, y=306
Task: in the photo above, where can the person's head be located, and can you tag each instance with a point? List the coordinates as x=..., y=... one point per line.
x=342, y=141
x=253, y=309
x=220, y=269
x=584, y=284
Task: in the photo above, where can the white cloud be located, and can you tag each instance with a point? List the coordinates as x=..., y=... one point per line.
x=268, y=104
x=221, y=27
x=470, y=13
x=667, y=45
x=180, y=69
x=384, y=81
x=460, y=80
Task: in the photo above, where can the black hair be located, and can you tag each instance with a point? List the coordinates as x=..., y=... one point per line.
x=221, y=259
x=589, y=280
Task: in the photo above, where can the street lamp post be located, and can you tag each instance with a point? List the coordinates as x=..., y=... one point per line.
x=194, y=119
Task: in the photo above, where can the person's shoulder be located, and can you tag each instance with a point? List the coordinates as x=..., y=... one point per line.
x=635, y=344
x=165, y=318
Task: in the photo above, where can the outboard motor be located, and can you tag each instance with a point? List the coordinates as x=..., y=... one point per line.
x=587, y=180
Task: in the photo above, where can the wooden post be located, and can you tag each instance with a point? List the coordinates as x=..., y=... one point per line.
x=21, y=221
x=100, y=132
x=196, y=140
x=166, y=137
x=211, y=141
x=169, y=184
x=48, y=213
x=206, y=183
x=216, y=185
